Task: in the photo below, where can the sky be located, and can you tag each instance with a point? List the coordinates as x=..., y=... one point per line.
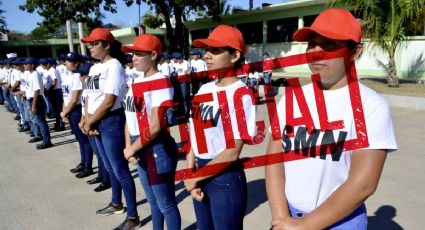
x=24, y=22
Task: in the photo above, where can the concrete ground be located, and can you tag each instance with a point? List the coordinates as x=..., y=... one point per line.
x=37, y=191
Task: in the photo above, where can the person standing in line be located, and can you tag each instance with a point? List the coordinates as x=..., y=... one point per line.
x=197, y=65
x=328, y=191
x=105, y=91
x=102, y=174
x=34, y=94
x=220, y=197
x=47, y=83
x=268, y=67
x=71, y=112
x=56, y=97
x=159, y=190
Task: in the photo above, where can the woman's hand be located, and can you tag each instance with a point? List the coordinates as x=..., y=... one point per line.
x=129, y=152
x=287, y=223
x=191, y=184
x=133, y=160
x=197, y=194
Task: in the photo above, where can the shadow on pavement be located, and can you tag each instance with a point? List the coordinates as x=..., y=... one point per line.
x=383, y=219
x=256, y=194
x=64, y=142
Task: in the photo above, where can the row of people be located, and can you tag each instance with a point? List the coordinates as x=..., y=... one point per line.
x=128, y=124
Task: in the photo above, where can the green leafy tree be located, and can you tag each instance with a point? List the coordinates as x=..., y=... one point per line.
x=56, y=12
x=180, y=9
x=3, y=24
x=386, y=24
x=153, y=21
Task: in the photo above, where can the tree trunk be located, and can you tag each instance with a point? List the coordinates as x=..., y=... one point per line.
x=392, y=71
x=168, y=27
x=178, y=11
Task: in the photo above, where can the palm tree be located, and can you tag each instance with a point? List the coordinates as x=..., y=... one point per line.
x=385, y=23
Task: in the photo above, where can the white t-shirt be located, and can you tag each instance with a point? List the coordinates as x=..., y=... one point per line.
x=198, y=65
x=152, y=99
x=47, y=78
x=254, y=75
x=105, y=78
x=24, y=81
x=165, y=69
x=35, y=82
x=69, y=84
x=181, y=68
x=310, y=181
x=132, y=74
x=3, y=73
x=15, y=76
x=54, y=74
x=61, y=69
x=214, y=136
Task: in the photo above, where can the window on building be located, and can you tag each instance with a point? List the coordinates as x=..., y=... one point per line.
x=281, y=30
x=309, y=19
x=252, y=32
x=196, y=34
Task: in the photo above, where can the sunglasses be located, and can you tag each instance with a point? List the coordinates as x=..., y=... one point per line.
x=93, y=44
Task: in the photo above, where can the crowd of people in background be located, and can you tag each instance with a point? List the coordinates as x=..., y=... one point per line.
x=99, y=98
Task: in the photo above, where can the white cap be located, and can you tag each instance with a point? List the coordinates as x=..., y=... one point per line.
x=10, y=55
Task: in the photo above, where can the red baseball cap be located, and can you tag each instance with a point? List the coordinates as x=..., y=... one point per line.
x=337, y=24
x=144, y=42
x=99, y=34
x=222, y=36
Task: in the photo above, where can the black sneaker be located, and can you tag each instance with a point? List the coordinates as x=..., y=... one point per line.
x=84, y=173
x=35, y=139
x=44, y=145
x=78, y=168
x=17, y=118
x=95, y=180
x=22, y=129
x=102, y=187
x=129, y=224
x=110, y=210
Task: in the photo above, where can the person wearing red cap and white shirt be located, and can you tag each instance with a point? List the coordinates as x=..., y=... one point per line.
x=151, y=140
x=329, y=190
x=105, y=90
x=218, y=186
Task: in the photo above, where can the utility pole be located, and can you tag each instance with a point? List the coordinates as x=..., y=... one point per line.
x=69, y=32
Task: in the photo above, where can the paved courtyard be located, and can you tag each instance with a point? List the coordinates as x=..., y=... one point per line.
x=37, y=191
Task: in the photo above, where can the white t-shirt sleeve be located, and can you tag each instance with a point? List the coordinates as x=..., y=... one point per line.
x=113, y=81
x=379, y=126
x=35, y=81
x=76, y=83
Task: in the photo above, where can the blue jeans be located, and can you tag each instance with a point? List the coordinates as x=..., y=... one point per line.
x=6, y=95
x=101, y=171
x=13, y=103
x=225, y=199
x=110, y=143
x=86, y=152
x=356, y=220
x=20, y=108
x=47, y=101
x=39, y=121
x=27, y=116
x=156, y=169
x=1, y=95
x=267, y=76
x=34, y=129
